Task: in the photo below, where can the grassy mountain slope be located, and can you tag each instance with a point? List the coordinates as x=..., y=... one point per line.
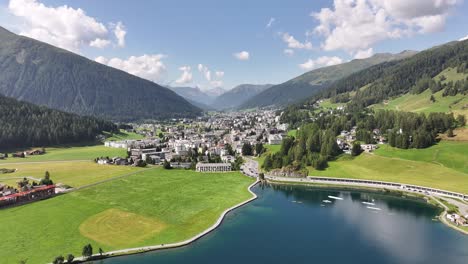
x=238, y=95
x=394, y=79
x=39, y=73
x=314, y=81
x=409, y=102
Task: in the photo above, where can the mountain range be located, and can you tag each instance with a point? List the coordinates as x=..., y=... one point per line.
x=314, y=81
x=218, y=98
x=42, y=74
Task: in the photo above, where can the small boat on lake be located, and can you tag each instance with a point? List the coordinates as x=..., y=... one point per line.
x=326, y=201
x=373, y=208
x=368, y=203
x=334, y=197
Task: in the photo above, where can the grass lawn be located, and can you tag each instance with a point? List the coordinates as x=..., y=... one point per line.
x=270, y=150
x=152, y=207
x=73, y=173
x=450, y=154
x=376, y=167
x=122, y=135
x=71, y=153
x=292, y=133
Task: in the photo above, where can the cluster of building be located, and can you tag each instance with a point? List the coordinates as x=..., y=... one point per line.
x=346, y=138
x=213, y=139
x=24, y=193
x=458, y=219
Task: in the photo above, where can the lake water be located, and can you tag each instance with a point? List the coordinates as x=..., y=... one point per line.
x=292, y=225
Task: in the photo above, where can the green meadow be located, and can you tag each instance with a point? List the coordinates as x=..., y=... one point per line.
x=403, y=168
x=168, y=205
x=72, y=173
x=70, y=153
x=122, y=135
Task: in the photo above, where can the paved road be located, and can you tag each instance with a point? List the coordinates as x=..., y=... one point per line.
x=250, y=167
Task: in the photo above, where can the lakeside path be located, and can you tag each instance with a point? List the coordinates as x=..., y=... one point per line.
x=131, y=251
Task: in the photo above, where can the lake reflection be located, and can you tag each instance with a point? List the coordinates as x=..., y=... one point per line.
x=294, y=225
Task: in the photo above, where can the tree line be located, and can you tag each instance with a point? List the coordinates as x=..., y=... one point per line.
x=27, y=125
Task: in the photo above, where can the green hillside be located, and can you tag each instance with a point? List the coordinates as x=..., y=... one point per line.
x=409, y=102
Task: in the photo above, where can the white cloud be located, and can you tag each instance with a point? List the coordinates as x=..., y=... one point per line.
x=120, y=32
x=294, y=43
x=320, y=62
x=186, y=76
x=149, y=67
x=464, y=38
x=354, y=25
x=270, y=22
x=220, y=74
x=243, y=55
x=206, y=72
x=61, y=26
x=364, y=54
x=99, y=43
x=288, y=52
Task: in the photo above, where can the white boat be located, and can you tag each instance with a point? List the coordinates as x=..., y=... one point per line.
x=368, y=203
x=326, y=201
x=334, y=197
x=373, y=208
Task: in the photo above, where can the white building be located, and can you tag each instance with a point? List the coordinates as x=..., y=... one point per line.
x=275, y=139
x=213, y=167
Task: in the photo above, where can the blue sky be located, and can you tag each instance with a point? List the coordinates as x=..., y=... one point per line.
x=177, y=36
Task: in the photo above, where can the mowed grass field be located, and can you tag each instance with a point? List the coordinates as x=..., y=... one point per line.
x=72, y=173
x=405, y=168
x=149, y=208
x=71, y=153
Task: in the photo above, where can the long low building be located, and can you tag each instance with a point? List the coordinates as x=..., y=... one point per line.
x=213, y=167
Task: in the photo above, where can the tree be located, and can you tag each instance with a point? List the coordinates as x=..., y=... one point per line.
x=247, y=149
x=432, y=98
x=101, y=251
x=259, y=149
x=261, y=176
x=46, y=180
x=450, y=133
x=87, y=251
x=267, y=163
x=70, y=258
x=59, y=260
x=356, y=150
x=229, y=149
x=167, y=165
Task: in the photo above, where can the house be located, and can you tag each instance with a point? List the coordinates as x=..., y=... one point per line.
x=275, y=139
x=35, y=152
x=368, y=147
x=181, y=165
x=2, y=156
x=213, y=167
x=228, y=158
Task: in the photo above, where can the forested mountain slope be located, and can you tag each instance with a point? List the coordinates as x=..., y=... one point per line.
x=23, y=124
x=42, y=74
